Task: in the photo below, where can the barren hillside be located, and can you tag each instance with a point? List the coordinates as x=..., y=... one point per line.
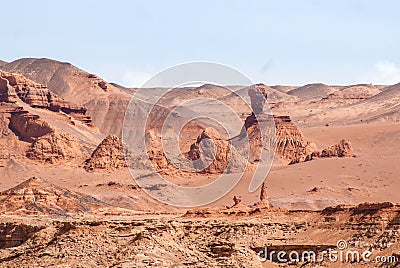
x=104, y=102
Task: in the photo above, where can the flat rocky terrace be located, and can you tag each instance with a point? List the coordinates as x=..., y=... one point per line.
x=230, y=237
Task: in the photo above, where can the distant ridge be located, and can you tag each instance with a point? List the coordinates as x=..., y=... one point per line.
x=381, y=107
x=312, y=91
x=284, y=89
x=275, y=95
x=355, y=92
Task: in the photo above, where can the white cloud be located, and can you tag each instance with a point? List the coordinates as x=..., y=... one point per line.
x=135, y=78
x=384, y=72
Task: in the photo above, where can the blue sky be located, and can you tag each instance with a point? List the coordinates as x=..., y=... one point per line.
x=276, y=42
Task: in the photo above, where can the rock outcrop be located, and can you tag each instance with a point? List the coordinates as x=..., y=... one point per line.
x=7, y=93
x=54, y=147
x=291, y=145
x=155, y=152
x=258, y=97
x=342, y=149
x=28, y=126
x=103, y=85
x=201, y=238
x=108, y=155
x=274, y=96
x=214, y=155
x=26, y=134
x=263, y=202
x=253, y=132
x=38, y=196
x=78, y=87
x=37, y=96
x=237, y=200
x=24, y=119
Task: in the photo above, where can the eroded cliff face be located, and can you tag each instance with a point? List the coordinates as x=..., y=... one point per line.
x=45, y=142
x=224, y=238
x=289, y=142
x=291, y=145
x=28, y=126
x=34, y=122
x=36, y=95
x=7, y=93
x=78, y=87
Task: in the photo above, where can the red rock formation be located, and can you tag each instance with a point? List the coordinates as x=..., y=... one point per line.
x=237, y=200
x=37, y=95
x=258, y=97
x=48, y=143
x=264, y=203
x=28, y=126
x=78, y=87
x=155, y=152
x=291, y=145
x=342, y=149
x=108, y=155
x=7, y=93
x=255, y=138
x=38, y=196
x=54, y=147
x=217, y=158
x=103, y=85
